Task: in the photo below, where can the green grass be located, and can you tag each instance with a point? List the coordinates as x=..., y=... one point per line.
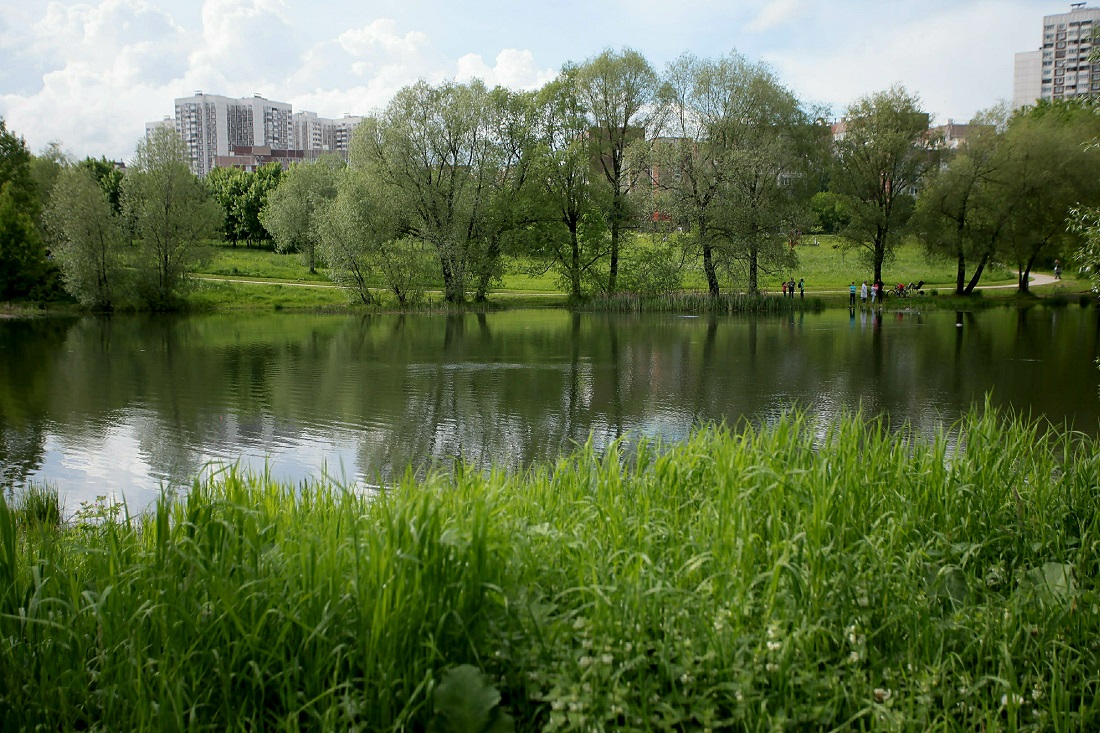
x=252, y=262
x=213, y=295
x=797, y=577
x=826, y=267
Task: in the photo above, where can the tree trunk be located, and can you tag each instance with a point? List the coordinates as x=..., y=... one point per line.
x=613, y=273
x=574, y=263
x=487, y=271
x=754, y=275
x=977, y=274
x=453, y=292
x=708, y=261
x=960, y=272
x=880, y=255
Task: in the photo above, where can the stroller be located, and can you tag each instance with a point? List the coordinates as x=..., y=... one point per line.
x=902, y=290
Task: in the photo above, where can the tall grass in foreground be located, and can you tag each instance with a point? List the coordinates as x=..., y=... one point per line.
x=793, y=577
x=725, y=303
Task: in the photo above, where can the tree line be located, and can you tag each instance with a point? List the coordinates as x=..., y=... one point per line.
x=715, y=161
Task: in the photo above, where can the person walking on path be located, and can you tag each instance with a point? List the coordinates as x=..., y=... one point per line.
x=852, y=295
x=863, y=293
x=1057, y=269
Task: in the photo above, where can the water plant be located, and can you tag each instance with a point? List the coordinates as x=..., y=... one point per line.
x=796, y=576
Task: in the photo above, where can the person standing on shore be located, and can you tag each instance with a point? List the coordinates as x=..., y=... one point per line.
x=852, y=295
x=802, y=287
x=784, y=288
x=863, y=293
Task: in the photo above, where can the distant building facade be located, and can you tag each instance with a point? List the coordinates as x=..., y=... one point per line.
x=211, y=125
x=323, y=134
x=954, y=134
x=1060, y=68
x=221, y=131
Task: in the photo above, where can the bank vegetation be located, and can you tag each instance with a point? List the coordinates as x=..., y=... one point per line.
x=795, y=576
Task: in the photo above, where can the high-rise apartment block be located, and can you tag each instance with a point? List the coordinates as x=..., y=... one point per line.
x=322, y=134
x=212, y=125
x=1061, y=68
x=224, y=131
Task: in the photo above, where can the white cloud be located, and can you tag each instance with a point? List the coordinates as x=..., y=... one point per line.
x=90, y=73
x=777, y=13
x=514, y=68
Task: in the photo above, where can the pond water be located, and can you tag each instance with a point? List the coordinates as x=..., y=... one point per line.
x=123, y=406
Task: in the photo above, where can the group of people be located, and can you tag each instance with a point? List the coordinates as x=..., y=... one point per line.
x=789, y=286
x=875, y=292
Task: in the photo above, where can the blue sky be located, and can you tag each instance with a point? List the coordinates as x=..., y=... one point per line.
x=90, y=74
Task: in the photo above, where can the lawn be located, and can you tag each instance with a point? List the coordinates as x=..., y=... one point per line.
x=826, y=265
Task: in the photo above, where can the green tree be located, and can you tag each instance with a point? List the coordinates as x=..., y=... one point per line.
x=731, y=174
x=1051, y=167
x=961, y=213
x=242, y=195
x=434, y=159
x=880, y=159
x=510, y=119
x=171, y=216
x=620, y=94
x=360, y=243
x=23, y=265
x=87, y=238
x=108, y=175
x=293, y=208
x=830, y=212
x=569, y=232
x=46, y=168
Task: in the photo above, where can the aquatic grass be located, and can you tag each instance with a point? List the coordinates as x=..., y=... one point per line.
x=38, y=505
x=792, y=576
x=725, y=303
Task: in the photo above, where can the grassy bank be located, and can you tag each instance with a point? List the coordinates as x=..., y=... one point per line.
x=788, y=578
x=826, y=266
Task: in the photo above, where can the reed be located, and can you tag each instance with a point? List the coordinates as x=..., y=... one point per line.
x=796, y=576
x=725, y=303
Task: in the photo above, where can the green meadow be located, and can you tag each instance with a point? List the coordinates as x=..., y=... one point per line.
x=243, y=278
x=795, y=576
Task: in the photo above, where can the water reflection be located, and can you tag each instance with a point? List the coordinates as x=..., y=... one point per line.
x=124, y=405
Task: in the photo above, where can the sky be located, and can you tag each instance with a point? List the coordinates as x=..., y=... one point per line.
x=89, y=75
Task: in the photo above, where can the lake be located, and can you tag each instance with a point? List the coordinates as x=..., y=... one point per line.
x=122, y=406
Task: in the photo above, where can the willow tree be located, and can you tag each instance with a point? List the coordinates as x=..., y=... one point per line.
x=731, y=172
x=171, y=214
x=881, y=155
x=434, y=159
x=960, y=213
x=86, y=238
x=292, y=210
x=569, y=230
x=620, y=94
x=1051, y=167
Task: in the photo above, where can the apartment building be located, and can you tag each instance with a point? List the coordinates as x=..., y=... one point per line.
x=1060, y=68
x=315, y=133
x=212, y=125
